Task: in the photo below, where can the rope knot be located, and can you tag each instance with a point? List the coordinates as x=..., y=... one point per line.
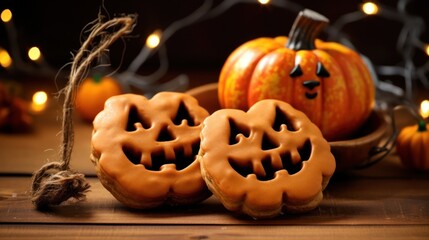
x=54, y=183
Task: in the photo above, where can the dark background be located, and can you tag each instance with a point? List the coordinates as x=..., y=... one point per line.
x=55, y=27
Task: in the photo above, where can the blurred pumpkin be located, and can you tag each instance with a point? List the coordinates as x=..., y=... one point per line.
x=412, y=146
x=14, y=111
x=92, y=94
x=329, y=82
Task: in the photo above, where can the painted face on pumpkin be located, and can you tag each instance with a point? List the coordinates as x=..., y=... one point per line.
x=310, y=84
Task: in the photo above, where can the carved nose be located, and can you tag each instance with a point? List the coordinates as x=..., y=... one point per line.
x=310, y=84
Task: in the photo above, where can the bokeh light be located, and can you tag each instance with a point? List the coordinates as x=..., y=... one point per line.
x=370, y=8
x=154, y=39
x=5, y=59
x=424, y=108
x=6, y=15
x=34, y=53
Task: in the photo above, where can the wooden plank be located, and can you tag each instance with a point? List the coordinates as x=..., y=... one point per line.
x=348, y=201
x=212, y=232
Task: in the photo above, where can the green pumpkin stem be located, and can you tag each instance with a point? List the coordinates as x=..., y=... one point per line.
x=307, y=26
x=422, y=126
x=96, y=77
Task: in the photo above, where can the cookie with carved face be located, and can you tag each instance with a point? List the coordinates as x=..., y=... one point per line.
x=144, y=150
x=268, y=160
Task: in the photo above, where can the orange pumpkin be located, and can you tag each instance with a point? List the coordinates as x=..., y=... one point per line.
x=327, y=81
x=92, y=94
x=412, y=146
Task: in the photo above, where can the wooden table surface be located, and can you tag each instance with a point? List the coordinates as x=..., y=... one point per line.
x=385, y=201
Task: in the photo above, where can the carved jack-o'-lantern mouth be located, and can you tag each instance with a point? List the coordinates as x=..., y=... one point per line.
x=270, y=165
x=158, y=159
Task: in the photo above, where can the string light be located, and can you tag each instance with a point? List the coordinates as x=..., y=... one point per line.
x=40, y=97
x=5, y=59
x=39, y=101
x=154, y=39
x=263, y=2
x=6, y=15
x=370, y=8
x=427, y=49
x=34, y=53
x=408, y=38
x=424, y=109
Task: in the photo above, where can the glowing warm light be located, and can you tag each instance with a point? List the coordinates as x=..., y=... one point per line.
x=40, y=99
x=427, y=49
x=424, y=108
x=34, y=53
x=263, y=2
x=5, y=59
x=154, y=39
x=6, y=15
x=370, y=8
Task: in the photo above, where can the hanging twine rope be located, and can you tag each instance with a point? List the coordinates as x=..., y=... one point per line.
x=55, y=182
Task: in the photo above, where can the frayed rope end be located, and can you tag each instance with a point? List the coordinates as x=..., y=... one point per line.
x=52, y=185
x=55, y=183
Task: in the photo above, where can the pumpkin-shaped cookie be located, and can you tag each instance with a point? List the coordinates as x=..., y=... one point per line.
x=144, y=150
x=269, y=159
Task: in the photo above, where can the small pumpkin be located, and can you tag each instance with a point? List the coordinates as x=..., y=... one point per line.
x=92, y=94
x=14, y=112
x=412, y=146
x=329, y=82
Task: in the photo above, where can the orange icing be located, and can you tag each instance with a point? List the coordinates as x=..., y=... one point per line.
x=144, y=150
x=248, y=170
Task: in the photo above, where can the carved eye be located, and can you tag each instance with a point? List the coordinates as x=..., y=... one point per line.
x=321, y=70
x=282, y=119
x=134, y=118
x=236, y=130
x=296, y=71
x=183, y=114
